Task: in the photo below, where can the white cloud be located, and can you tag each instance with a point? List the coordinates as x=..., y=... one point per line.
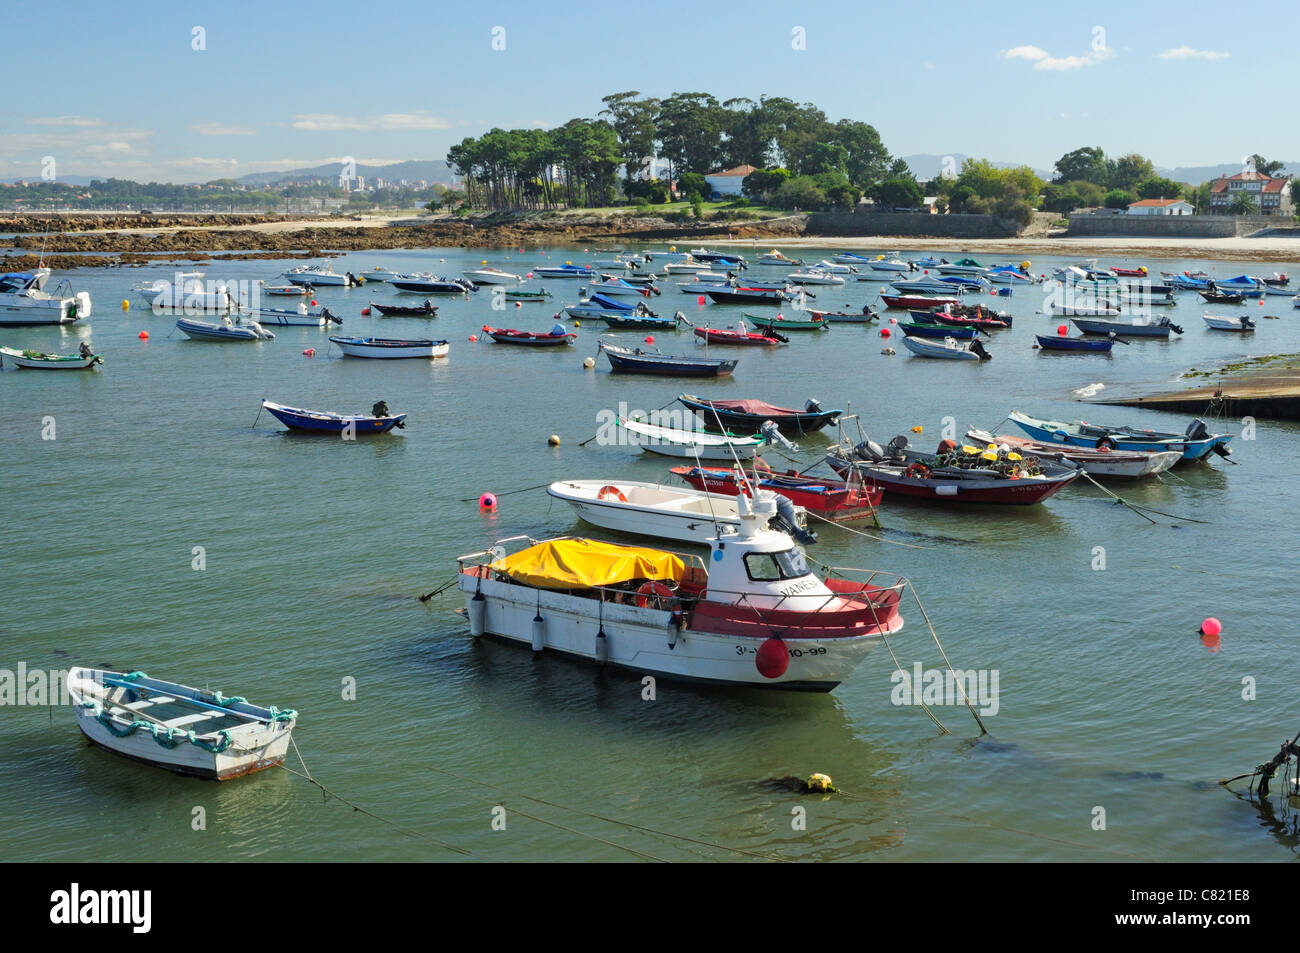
x=1044, y=60
x=223, y=129
x=332, y=122
x=80, y=122
x=1187, y=53
x=1025, y=53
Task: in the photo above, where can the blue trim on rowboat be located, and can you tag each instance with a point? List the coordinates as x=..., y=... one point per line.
x=317, y=421
x=1192, y=450
x=1049, y=342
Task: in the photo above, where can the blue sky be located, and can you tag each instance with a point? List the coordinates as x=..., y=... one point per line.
x=117, y=89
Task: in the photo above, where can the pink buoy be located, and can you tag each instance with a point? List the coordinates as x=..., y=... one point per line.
x=310, y=352
x=884, y=332
x=701, y=299
x=893, y=320
x=144, y=335
x=1062, y=329
x=365, y=312
x=1211, y=626
x=313, y=302
x=772, y=658
x=649, y=339
x=487, y=502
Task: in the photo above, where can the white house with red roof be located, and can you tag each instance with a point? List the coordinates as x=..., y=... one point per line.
x=728, y=182
x=1271, y=194
x=1160, y=207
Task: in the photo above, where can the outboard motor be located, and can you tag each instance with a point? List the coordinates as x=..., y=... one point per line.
x=787, y=521
x=813, y=406
x=896, y=447
x=380, y=409
x=85, y=350
x=773, y=434
x=869, y=450
x=353, y=280
x=330, y=317
x=977, y=348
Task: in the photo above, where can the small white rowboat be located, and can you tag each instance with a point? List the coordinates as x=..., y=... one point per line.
x=172, y=726
x=689, y=444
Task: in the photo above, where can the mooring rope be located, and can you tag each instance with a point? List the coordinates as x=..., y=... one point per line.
x=1137, y=508
x=858, y=532
x=614, y=820
x=306, y=775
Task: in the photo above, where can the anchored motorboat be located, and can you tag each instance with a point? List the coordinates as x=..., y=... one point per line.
x=755, y=614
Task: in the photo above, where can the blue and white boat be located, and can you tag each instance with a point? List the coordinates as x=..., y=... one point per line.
x=227, y=330
x=949, y=348
x=379, y=420
x=391, y=348
x=599, y=306
x=965, y=281
x=301, y=317
x=1242, y=285
x=567, y=270
x=620, y=288
x=1194, y=443
x=848, y=258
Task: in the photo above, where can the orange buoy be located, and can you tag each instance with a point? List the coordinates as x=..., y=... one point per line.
x=884, y=332
x=473, y=338
x=144, y=335
x=365, y=312
x=313, y=302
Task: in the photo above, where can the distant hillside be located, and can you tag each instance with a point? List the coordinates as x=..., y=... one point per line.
x=926, y=166
x=1196, y=174
x=435, y=172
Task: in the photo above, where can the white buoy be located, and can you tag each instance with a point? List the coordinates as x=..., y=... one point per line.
x=477, y=615
x=539, y=632
x=602, y=646
x=589, y=363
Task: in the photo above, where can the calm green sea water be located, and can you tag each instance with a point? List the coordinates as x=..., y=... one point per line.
x=317, y=548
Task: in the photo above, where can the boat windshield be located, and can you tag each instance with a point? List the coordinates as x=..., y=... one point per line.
x=770, y=567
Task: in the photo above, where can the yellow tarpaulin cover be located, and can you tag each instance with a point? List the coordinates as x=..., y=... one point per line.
x=582, y=563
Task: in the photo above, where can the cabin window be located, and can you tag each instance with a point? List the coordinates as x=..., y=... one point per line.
x=772, y=567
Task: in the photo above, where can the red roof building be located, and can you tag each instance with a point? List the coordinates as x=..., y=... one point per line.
x=1269, y=194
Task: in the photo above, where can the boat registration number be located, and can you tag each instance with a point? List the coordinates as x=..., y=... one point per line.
x=794, y=653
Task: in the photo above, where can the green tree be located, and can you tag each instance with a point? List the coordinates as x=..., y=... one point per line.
x=690, y=131
x=761, y=184
x=1091, y=195
x=898, y=193
x=633, y=119
x=1060, y=198
x=1270, y=168
x=1129, y=170
x=1087, y=163
x=1243, y=204
x=866, y=160
x=1156, y=187
x=1199, y=197
x=692, y=183
x=801, y=192
x=1118, y=198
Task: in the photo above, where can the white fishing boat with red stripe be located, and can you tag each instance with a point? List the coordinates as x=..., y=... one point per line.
x=755, y=615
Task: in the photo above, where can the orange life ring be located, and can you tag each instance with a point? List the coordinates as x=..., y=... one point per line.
x=609, y=490
x=648, y=589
